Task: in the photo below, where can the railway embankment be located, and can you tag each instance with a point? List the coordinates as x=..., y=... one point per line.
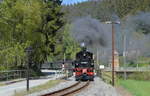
x=96, y=88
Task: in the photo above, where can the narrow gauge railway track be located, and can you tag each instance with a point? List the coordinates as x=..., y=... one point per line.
x=69, y=90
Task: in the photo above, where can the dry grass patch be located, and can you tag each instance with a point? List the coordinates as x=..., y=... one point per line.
x=2, y=84
x=45, y=86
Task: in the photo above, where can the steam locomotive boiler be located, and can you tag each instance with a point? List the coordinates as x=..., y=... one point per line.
x=84, y=65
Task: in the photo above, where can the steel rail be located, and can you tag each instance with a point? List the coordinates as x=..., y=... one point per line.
x=76, y=90
x=68, y=90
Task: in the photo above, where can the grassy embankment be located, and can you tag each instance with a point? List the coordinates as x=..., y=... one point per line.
x=136, y=87
x=1, y=84
x=45, y=86
x=138, y=84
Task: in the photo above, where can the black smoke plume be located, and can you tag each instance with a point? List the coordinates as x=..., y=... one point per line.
x=91, y=31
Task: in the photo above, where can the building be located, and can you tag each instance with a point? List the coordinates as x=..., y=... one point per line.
x=116, y=60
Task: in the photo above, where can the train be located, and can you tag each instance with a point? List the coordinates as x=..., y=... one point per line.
x=84, y=65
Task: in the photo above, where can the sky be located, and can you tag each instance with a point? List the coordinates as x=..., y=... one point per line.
x=68, y=2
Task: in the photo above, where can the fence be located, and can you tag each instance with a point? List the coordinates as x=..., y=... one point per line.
x=12, y=74
x=107, y=77
x=16, y=74
x=130, y=69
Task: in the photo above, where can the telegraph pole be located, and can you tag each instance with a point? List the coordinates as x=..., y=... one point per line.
x=113, y=48
x=97, y=55
x=124, y=55
x=97, y=62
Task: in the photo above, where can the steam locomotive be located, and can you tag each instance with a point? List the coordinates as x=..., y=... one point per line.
x=84, y=65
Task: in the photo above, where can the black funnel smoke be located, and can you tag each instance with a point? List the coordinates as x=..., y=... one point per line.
x=90, y=31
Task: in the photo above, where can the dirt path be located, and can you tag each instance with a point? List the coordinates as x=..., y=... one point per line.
x=123, y=91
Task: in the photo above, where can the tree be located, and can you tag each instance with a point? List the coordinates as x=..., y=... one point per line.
x=70, y=46
x=25, y=23
x=52, y=22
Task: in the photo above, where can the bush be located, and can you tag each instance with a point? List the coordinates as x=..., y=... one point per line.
x=35, y=73
x=2, y=68
x=140, y=76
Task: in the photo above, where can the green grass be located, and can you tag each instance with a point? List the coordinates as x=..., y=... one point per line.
x=45, y=86
x=1, y=84
x=137, y=88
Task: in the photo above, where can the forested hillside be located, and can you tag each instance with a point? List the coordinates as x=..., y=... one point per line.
x=34, y=24
x=107, y=9
x=134, y=27
x=53, y=30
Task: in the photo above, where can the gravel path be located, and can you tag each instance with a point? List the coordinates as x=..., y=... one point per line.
x=62, y=85
x=98, y=88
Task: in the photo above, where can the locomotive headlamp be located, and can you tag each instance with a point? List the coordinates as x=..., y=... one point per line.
x=84, y=54
x=82, y=44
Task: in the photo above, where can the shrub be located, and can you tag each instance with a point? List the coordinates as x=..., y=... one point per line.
x=140, y=76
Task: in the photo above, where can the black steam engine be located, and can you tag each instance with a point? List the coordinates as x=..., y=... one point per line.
x=84, y=65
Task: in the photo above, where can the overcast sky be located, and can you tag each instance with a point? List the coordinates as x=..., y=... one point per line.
x=67, y=2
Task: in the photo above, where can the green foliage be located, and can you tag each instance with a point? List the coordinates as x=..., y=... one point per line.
x=139, y=61
x=71, y=47
x=123, y=8
x=140, y=76
x=99, y=10
x=107, y=9
x=37, y=24
x=12, y=54
x=25, y=23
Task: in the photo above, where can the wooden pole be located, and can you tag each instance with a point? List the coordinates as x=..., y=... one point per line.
x=113, y=48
